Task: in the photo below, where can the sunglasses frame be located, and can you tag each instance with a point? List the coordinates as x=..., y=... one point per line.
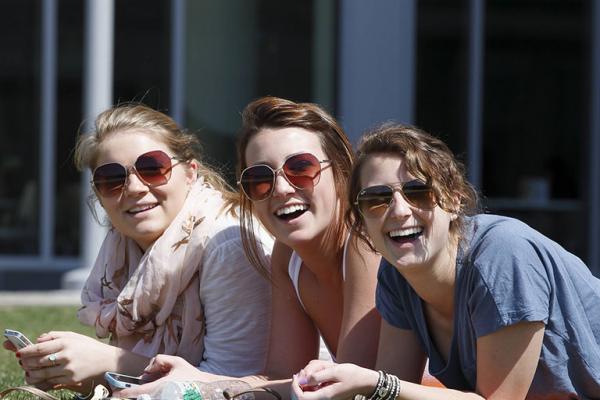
x=396, y=187
x=276, y=172
x=131, y=169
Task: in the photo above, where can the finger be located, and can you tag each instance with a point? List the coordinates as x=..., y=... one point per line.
x=296, y=391
x=135, y=391
x=40, y=349
x=50, y=360
x=9, y=346
x=164, y=363
x=44, y=374
x=317, y=365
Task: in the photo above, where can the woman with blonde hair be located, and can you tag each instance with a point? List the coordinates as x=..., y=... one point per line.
x=171, y=276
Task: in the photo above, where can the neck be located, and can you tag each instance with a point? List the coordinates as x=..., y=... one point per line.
x=435, y=283
x=322, y=256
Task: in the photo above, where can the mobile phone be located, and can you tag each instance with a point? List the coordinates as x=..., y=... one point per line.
x=17, y=338
x=120, y=381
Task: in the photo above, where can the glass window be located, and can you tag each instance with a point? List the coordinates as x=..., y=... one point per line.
x=534, y=105
x=238, y=50
x=19, y=126
x=69, y=115
x=535, y=108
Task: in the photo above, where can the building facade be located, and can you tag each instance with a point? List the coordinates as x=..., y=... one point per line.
x=512, y=86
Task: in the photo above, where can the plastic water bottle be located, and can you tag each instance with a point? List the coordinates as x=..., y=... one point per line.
x=189, y=390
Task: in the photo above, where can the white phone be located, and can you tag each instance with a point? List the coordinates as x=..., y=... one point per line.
x=120, y=381
x=17, y=338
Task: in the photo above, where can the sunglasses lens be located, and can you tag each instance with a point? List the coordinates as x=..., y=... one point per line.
x=419, y=195
x=109, y=179
x=302, y=170
x=154, y=167
x=374, y=201
x=257, y=182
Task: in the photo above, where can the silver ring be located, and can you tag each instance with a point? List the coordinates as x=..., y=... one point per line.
x=52, y=357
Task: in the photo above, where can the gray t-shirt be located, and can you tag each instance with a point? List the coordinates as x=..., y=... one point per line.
x=506, y=273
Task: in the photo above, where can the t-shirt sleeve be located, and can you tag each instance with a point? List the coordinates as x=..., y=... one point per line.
x=236, y=301
x=509, y=279
x=388, y=296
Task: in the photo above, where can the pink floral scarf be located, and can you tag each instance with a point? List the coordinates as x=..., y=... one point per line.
x=149, y=302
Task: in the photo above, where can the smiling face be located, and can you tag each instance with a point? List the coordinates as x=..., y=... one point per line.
x=405, y=235
x=292, y=215
x=141, y=212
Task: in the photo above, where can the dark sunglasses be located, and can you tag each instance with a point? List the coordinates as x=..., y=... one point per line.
x=153, y=168
x=373, y=202
x=302, y=171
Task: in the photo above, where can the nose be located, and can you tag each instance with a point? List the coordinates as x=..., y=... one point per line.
x=281, y=186
x=133, y=183
x=399, y=208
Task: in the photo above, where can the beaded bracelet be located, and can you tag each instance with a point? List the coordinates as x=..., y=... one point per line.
x=387, y=388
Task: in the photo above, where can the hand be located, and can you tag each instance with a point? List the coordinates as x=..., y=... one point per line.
x=163, y=368
x=327, y=380
x=65, y=359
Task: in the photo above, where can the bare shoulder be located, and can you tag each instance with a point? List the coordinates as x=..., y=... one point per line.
x=360, y=259
x=280, y=258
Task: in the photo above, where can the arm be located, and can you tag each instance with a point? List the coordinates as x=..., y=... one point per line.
x=294, y=340
x=506, y=363
x=359, y=333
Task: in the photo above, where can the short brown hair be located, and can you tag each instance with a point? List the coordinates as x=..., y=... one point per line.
x=427, y=158
x=274, y=113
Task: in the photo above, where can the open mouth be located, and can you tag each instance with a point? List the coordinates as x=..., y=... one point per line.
x=140, y=209
x=406, y=235
x=290, y=212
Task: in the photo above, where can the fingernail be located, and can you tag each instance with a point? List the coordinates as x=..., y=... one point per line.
x=303, y=380
x=18, y=354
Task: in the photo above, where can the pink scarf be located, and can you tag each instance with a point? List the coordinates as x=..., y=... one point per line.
x=149, y=302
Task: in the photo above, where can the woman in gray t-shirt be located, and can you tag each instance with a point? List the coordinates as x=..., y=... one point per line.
x=501, y=311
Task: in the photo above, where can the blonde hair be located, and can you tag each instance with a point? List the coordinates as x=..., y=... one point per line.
x=124, y=117
x=274, y=113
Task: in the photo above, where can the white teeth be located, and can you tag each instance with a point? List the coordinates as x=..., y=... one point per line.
x=405, y=232
x=291, y=209
x=141, y=208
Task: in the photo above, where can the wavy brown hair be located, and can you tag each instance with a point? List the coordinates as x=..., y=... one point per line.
x=427, y=158
x=139, y=117
x=276, y=113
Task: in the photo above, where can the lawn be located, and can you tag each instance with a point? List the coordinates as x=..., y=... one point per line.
x=33, y=321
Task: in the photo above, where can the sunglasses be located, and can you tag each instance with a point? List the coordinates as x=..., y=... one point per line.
x=152, y=168
x=374, y=201
x=302, y=171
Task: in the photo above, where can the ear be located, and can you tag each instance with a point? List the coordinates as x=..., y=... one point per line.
x=191, y=172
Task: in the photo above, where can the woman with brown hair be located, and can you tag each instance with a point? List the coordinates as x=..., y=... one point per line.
x=501, y=311
x=293, y=166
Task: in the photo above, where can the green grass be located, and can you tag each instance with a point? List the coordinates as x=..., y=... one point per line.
x=33, y=321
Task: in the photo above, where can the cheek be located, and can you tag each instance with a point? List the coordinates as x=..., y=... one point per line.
x=260, y=210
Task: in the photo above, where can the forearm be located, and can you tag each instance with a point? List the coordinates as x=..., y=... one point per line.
x=127, y=362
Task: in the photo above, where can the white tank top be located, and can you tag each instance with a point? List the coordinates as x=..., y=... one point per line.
x=294, y=272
